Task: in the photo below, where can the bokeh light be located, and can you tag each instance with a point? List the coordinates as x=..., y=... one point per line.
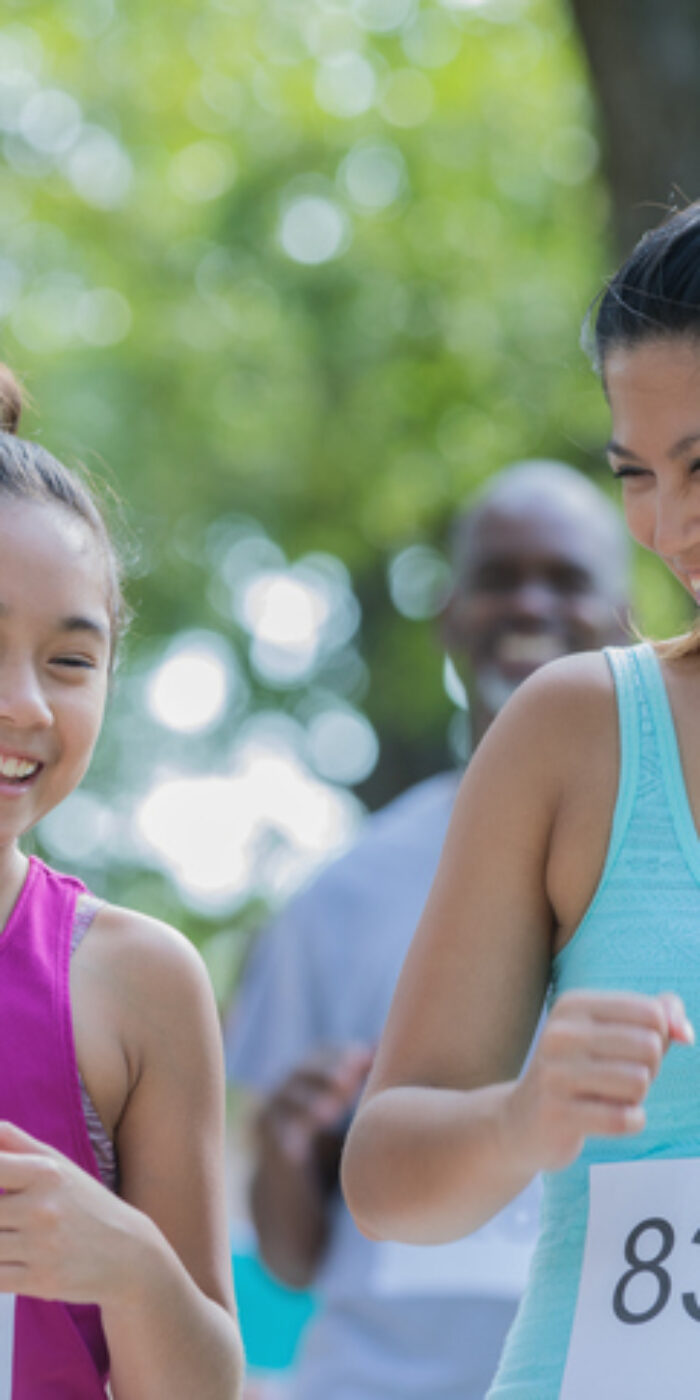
x=188, y=691
x=313, y=229
x=345, y=84
x=262, y=827
x=81, y=829
x=419, y=578
x=373, y=175
x=342, y=745
x=99, y=168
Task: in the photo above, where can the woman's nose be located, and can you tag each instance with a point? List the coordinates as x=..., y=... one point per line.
x=676, y=521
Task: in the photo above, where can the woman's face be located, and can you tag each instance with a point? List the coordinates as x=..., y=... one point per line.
x=654, y=394
x=54, y=658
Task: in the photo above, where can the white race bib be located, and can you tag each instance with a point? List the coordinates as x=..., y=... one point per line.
x=636, y=1328
x=7, y=1343
x=491, y=1263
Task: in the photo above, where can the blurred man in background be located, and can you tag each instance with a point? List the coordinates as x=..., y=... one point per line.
x=540, y=570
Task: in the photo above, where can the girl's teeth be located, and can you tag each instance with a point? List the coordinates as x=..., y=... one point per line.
x=16, y=768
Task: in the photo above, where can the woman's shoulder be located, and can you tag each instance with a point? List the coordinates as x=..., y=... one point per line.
x=540, y=749
x=563, y=704
x=583, y=677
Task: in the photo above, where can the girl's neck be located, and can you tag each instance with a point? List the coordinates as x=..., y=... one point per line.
x=13, y=870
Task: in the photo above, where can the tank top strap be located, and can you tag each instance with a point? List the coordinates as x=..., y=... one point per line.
x=634, y=723
x=651, y=775
x=670, y=768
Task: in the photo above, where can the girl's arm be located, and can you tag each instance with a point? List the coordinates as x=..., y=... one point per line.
x=171, y=1323
x=448, y=1131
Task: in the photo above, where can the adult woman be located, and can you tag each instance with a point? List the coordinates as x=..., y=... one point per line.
x=573, y=860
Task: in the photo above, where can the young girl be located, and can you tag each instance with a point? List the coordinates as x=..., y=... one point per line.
x=573, y=860
x=114, y=1257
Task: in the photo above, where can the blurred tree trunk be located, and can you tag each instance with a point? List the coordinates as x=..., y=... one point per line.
x=644, y=57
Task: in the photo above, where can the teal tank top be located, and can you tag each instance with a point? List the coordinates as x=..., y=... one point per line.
x=641, y=933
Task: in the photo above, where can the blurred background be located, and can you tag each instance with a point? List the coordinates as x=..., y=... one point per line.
x=291, y=278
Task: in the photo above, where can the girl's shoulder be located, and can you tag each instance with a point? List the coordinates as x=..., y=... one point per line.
x=154, y=974
x=130, y=930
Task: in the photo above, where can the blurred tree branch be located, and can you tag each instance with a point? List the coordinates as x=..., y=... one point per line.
x=643, y=58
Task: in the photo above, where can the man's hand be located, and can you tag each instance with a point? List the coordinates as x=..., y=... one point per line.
x=305, y=1120
x=301, y=1129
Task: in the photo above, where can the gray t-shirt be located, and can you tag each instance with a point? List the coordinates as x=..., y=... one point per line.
x=394, y=1321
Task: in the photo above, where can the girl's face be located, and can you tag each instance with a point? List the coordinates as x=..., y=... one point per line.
x=654, y=394
x=54, y=658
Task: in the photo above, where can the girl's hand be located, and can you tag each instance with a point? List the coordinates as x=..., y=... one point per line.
x=62, y=1234
x=590, y=1072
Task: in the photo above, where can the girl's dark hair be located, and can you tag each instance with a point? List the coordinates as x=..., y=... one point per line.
x=29, y=472
x=656, y=292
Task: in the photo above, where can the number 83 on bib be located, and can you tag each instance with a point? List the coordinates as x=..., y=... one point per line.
x=636, y=1330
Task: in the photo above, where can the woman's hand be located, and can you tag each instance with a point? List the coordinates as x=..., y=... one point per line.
x=590, y=1072
x=63, y=1235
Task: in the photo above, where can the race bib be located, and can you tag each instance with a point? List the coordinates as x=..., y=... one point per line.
x=7, y=1343
x=636, y=1328
x=493, y=1262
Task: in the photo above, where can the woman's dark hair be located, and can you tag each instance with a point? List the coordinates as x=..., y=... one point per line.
x=29, y=472
x=654, y=295
x=656, y=292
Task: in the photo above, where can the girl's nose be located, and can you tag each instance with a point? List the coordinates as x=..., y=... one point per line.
x=23, y=703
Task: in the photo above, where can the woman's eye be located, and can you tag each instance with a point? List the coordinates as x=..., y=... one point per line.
x=628, y=473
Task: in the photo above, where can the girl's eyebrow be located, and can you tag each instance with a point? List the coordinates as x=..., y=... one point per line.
x=83, y=624
x=75, y=623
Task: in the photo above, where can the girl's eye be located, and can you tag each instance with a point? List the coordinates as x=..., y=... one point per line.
x=73, y=662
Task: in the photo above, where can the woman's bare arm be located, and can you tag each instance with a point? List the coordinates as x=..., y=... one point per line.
x=448, y=1131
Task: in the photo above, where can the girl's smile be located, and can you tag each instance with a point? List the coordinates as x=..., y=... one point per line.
x=17, y=774
x=54, y=654
x=18, y=769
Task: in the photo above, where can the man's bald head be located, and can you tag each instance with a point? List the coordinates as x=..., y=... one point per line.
x=541, y=565
x=540, y=486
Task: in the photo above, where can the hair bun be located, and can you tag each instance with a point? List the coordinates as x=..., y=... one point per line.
x=10, y=401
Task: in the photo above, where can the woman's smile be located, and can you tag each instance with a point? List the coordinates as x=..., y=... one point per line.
x=654, y=393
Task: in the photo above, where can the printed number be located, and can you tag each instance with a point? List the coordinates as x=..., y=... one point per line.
x=651, y=1266
x=645, y=1266
x=690, y=1302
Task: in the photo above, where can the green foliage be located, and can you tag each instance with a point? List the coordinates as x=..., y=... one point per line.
x=170, y=341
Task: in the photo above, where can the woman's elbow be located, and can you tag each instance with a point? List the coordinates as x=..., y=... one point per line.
x=359, y=1170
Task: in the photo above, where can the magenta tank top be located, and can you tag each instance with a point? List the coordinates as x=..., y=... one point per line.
x=48, y=1350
